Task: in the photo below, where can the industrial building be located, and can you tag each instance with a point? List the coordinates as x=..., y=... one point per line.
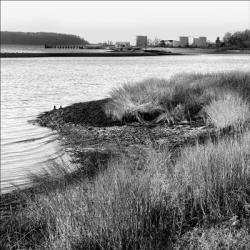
x=176, y=43
x=122, y=44
x=195, y=42
x=200, y=42
x=169, y=43
x=141, y=41
x=183, y=41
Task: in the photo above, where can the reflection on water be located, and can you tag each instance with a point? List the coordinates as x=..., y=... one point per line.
x=33, y=85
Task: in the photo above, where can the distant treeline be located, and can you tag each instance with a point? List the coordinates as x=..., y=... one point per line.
x=239, y=39
x=40, y=38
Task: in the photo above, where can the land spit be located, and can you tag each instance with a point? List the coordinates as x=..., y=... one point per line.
x=87, y=131
x=93, y=137
x=86, y=54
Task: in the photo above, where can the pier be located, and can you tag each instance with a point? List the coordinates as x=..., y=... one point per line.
x=65, y=46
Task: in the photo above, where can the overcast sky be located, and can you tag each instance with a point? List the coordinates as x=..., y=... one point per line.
x=122, y=21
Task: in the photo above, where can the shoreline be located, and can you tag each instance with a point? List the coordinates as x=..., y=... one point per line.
x=130, y=137
x=157, y=52
x=85, y=54
x=179, y=170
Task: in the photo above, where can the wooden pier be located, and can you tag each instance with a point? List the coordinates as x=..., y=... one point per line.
x=65, y=46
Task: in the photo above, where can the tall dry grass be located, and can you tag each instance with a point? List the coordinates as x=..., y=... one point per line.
x=228, y=109
x=183, y=97
x=125, y=207
x=215, y=177
x=215, y=238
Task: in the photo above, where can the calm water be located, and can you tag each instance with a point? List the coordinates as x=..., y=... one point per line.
x=33, y=85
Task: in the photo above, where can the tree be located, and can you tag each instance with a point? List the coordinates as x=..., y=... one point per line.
x=155, y=42
x=162, y=43
x=218, y=42
x=227, y=39
x=40, y=38
x=239, y=39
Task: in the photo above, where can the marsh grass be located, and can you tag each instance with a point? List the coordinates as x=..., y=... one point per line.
x=183, y=97
x=160, y=200
x=215, y=177
x=214, y=238
x=125, y=207
x=228, y=109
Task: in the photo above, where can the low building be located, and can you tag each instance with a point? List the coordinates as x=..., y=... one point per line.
x=141, y=41
x=176, y=43
x=183, y=41
x=169, y=43
x=122, y=44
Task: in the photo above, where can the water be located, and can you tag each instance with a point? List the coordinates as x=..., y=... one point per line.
x=30, y=86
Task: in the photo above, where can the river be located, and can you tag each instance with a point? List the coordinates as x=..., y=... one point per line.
x=30, y=86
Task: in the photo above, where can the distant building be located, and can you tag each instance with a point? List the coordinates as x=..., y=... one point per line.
x=169, y=43
x=195, y=42
x=141, y=41
x=200, y=42
x=122, y=44
x=183, y=41
x=176, y=43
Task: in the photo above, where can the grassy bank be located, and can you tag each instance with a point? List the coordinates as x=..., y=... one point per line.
x=220, y=99
x=195, y=198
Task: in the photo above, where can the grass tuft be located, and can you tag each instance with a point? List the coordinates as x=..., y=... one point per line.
x=212, y=177
x=183, y=97
x=228, y=109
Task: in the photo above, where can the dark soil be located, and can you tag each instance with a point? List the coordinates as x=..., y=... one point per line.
x=84, y=113
x=89, y=133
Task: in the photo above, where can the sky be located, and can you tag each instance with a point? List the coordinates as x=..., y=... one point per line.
x=98, y=21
